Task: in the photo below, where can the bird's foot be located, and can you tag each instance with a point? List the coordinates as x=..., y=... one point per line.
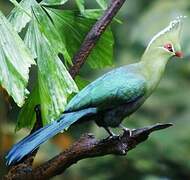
x=126, y=130
x=109, y=131
x=112, y=137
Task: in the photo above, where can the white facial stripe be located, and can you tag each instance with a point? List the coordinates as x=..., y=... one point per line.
x=165, y=49
x=173, y=48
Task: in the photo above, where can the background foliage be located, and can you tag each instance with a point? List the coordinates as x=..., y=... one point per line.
x=166, y=154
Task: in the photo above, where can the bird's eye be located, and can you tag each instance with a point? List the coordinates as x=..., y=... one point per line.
x=169, y=47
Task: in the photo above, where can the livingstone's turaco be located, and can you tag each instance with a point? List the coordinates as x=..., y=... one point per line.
x=114, y=96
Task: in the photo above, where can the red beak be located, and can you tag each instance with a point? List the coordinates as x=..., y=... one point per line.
x=179, y=54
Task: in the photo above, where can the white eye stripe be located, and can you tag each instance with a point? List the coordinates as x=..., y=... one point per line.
x=173, y=50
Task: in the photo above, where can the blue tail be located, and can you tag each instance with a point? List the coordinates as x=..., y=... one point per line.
x=33, y=141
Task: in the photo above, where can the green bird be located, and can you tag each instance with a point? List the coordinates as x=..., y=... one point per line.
x=114, y=96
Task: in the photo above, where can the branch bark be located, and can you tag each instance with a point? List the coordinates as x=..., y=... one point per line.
x=86, y=147
x=94, y=35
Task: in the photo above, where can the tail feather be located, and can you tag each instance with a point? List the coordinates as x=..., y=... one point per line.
x=33, y=141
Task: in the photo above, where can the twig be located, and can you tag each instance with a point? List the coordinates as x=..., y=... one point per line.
x=30, y=158
x=86, y=147
x=94, y=35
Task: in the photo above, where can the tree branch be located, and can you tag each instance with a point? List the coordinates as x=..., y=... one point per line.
x=94, y=35
x=87, y=147
x=30, y=158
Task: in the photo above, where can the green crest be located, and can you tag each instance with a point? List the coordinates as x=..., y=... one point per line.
x=170, y=34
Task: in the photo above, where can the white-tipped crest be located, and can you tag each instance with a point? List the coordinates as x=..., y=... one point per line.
x=172, y=31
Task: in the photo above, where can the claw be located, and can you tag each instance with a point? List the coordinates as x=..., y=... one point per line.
x=126, y=130
x=111, y=135
x=109, y=131
x=114, y=137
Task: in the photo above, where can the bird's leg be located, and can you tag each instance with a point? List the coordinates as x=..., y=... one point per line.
x=126, y=129
x=109, y=131
x=111, y=134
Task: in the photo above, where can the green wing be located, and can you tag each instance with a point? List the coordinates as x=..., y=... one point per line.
x=122, y=85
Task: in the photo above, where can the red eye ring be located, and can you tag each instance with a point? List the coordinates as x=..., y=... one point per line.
x=169, y=47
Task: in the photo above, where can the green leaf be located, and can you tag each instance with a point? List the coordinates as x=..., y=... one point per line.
x=80, y=4
x=93, y=13
x=54, y=82
x=102, y=55
x=103, y=3
x=27, y=116
x=21, y=14
x=48, y=29
x=81, y=82
x=15, y=60
x=55, y=87
x=74, y=28
x=88, y=13
x=54, y=2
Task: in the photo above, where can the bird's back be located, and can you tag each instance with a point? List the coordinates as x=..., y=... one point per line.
x=123, y=84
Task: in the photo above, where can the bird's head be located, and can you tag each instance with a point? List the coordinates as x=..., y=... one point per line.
x=167, y=41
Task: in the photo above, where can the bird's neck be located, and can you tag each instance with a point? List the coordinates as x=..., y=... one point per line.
x=153, y=66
